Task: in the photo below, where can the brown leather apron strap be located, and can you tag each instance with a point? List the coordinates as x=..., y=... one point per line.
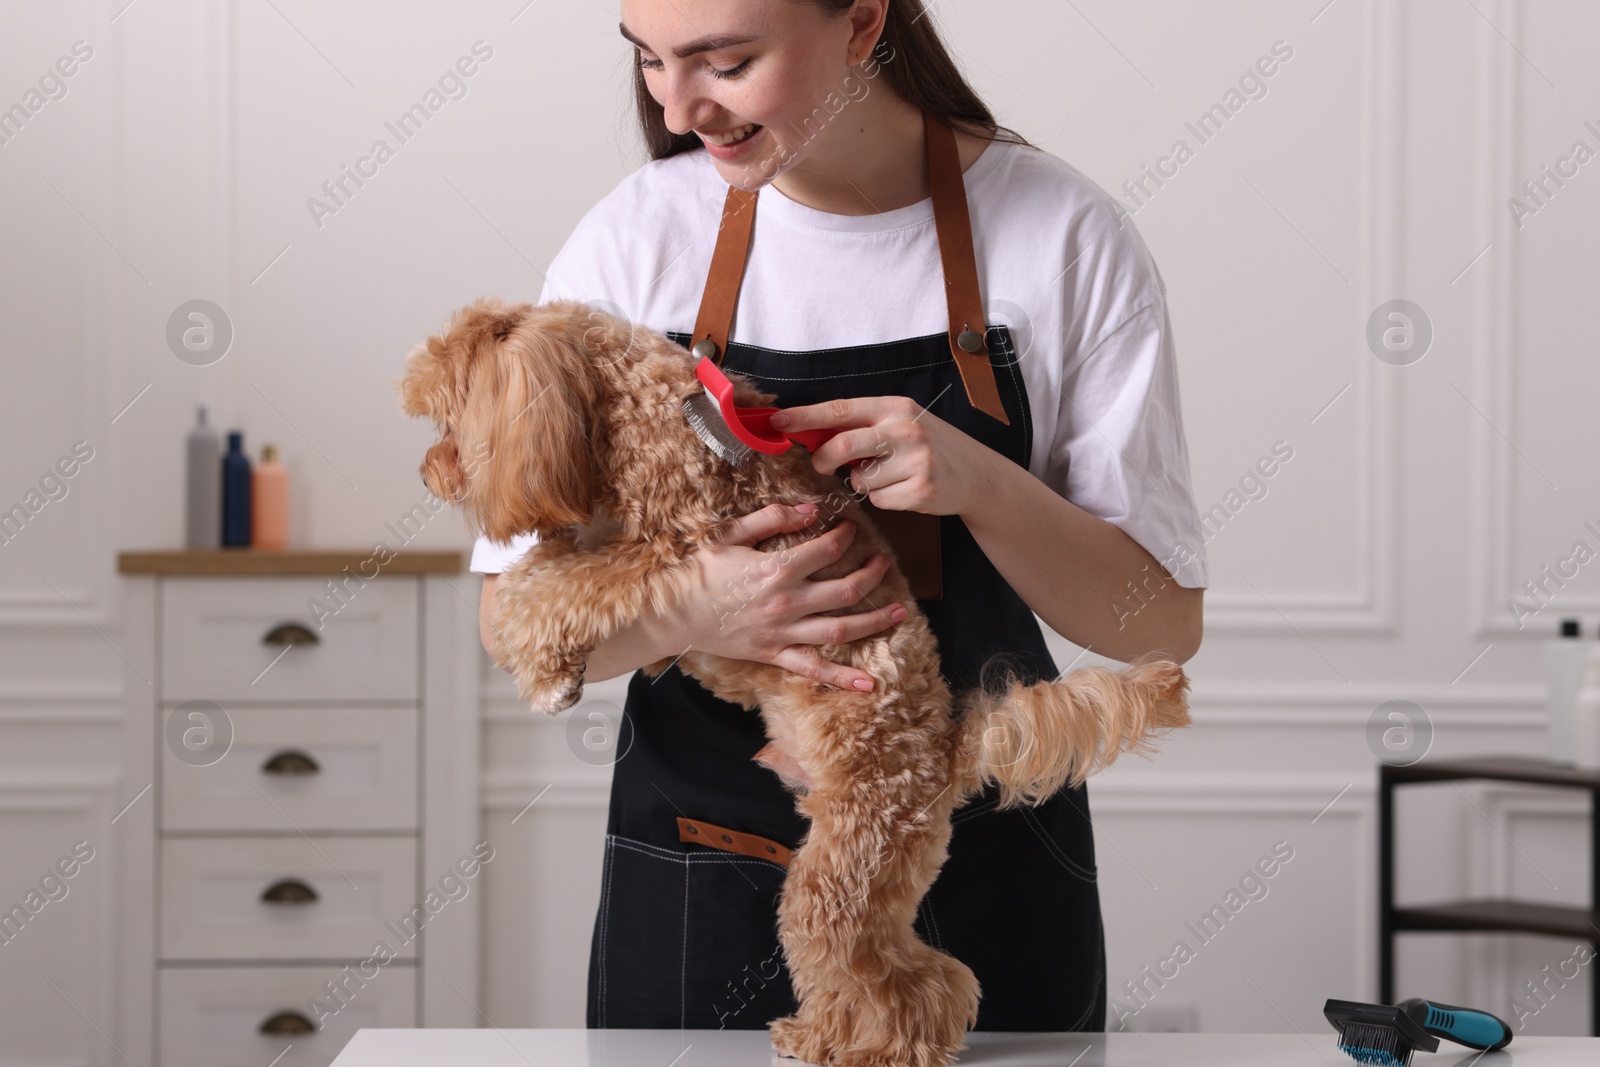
x=721, y=297
x=704, y=833
x=953, y=223
x=913, y=535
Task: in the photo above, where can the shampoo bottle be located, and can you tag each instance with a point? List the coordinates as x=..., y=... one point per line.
x=1564, y=659
x=235, y=493
x=1586, y=715
x=269, y=503
x=202, y=503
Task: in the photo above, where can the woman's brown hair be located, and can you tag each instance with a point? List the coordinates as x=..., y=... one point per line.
x=919, y=70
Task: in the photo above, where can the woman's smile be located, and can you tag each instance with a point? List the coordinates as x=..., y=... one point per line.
x=733, y=143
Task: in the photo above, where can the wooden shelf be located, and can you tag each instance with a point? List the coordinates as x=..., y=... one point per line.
x=213, y=562
x=1501, y=916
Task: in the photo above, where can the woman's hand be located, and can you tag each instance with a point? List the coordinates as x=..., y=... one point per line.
x=741, y=603
x=912, y=459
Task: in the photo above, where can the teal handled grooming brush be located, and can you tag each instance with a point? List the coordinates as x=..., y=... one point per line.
x=1376, y=1033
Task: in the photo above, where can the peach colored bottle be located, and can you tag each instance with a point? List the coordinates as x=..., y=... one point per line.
x=270, y=503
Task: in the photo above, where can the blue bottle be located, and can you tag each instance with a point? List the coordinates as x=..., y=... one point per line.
x=236, y=478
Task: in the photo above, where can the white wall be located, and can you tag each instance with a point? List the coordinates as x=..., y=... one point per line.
x=1377, y=567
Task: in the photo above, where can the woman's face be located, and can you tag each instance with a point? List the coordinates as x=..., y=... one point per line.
x=782, y=66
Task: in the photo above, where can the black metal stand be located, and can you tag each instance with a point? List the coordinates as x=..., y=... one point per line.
x=1502, y=916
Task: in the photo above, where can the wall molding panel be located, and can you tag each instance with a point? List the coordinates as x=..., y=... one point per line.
x=1369, y=610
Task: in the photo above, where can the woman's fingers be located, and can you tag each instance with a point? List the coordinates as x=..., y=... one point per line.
x=770, y=521
x=815, y=553
x=842, y=629
x=804, y=661
x=817, y=629
x=830, y=594
x=809, y=628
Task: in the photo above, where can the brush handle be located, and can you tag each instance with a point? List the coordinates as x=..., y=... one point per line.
x=752, y=426
x=1465, y=1026
x=811, y=440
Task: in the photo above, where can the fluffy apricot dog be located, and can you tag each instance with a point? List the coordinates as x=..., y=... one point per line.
x=567, y=422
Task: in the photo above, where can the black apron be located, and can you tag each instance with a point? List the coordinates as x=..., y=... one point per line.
x=686, y=935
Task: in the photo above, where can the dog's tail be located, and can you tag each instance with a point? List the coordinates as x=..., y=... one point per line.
x=1035, y=739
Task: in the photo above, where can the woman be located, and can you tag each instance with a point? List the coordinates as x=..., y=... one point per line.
x=997, y=456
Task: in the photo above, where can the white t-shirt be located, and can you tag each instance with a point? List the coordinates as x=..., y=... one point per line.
x=1057, y=263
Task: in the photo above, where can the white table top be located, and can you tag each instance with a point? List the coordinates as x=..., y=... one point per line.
x=744, y=1048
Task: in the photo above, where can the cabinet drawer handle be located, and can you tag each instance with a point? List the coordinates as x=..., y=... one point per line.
x=290, y=633
x=287, y=1022
x=290, y=762
x=289, y=891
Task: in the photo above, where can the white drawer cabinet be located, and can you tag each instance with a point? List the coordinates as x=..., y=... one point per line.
x=312, y=767
x=245, y=1016
x=287, y=639
x=284, y=898
x=324, y=767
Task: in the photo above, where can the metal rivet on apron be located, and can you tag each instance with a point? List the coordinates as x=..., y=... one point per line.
x=728, y=839
x=772, y=850
x=694, y=829
x=969, y=340
x=704, y=349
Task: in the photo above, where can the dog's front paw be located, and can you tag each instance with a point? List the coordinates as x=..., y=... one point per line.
x=555, y=699
x=550, y=688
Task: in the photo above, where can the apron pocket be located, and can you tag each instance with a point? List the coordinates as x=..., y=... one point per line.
x=638, y=938
x=687, y=940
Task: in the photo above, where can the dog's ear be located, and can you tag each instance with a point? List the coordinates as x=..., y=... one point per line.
x=422, y=387
x=441, y=471
x=439, y=370
x=538, y=414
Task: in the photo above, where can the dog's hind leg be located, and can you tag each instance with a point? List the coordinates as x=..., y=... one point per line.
x=871, y=992
x=1035, y=739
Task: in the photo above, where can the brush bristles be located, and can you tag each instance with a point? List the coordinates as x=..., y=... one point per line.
x=1382, y=1045
x=705, y=418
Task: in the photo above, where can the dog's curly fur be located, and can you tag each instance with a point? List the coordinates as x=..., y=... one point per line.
x=573, y=421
